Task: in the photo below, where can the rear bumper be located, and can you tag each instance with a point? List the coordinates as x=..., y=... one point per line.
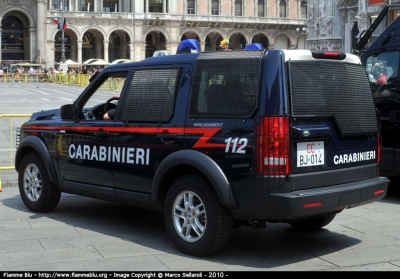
x=291, y=206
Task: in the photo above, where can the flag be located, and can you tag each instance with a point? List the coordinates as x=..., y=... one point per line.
x=65, y=24
x=55, y=20
x=59, y=26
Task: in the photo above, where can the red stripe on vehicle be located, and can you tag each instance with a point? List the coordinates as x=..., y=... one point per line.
x=207, y=133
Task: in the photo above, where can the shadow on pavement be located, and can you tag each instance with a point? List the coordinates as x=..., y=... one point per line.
x=130, y=229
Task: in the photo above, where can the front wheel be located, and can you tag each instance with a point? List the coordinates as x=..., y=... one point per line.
x=38, y=193
x=195, y=219
x=315, y=223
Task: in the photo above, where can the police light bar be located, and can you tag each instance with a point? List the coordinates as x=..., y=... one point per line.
x=188, y=46
x=319, y=54
x=254, y=46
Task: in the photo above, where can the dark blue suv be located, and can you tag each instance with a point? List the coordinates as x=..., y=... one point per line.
x=215, y=140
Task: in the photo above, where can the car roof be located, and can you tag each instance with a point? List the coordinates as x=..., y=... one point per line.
x=157, y=60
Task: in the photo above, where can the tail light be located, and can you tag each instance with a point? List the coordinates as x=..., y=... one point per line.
x=378, y=135
x=272, y=146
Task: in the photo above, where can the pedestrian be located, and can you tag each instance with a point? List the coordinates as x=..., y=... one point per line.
x=84, y=70
x=62, y=76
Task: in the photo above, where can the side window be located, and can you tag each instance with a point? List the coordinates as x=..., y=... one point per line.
x=110, y=86
x=382, y=69
x=151, y=96
x=227, y=88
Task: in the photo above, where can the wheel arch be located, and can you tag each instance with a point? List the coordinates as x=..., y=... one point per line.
x=32, y=143
x=190, y=161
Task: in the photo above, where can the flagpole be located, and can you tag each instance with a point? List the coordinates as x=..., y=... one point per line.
x=62, y=35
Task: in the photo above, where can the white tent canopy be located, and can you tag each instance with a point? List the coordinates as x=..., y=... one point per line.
x=121, y=61
x=99, y=62
x=72, y=64
x=89, y=61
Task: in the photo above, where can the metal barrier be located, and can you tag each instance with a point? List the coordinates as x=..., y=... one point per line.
x=12, y=141
x=68, y=79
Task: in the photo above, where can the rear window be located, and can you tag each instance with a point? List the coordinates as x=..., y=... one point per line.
x=333, y=89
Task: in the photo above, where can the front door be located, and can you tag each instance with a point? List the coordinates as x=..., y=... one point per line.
x=85, y=152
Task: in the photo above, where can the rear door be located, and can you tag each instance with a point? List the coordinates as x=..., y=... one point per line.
x=149, y=127
x=334, y=124
x=224, y=100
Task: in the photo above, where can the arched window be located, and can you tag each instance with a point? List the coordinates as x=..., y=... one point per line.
x=88, y=46
x=114, y=47
x=282, y=8
x=260, y=8
x=238, y=8
x=12, y=38
x=215, y=7
x=303, y=9
x=191, y=7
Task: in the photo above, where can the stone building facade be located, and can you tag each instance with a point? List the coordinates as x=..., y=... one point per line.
x=337, y=24
x=134, y=29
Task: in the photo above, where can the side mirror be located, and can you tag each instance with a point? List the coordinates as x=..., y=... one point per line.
x=67, y=112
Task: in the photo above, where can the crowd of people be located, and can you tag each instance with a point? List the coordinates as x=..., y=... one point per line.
x=44, y=75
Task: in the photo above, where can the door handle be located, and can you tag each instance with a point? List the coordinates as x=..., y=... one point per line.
x=101, y=133
x=166, y=136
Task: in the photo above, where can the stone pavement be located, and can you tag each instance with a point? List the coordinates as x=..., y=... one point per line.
x=84, y=234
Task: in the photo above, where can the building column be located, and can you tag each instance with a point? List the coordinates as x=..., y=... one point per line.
x=41, y=15
x=98, y=50
x=106, y=42
x=32, y=47
x=164, y=6
x=79, y=43
x=50, y=53
x=132, y=51
x=202, y=46
x=73, y=52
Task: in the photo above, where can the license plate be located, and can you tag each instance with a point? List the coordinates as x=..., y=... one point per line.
x=310, y=153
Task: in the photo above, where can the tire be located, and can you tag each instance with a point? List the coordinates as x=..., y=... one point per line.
x=38, y=193
x=315, y=223
x=209, y=224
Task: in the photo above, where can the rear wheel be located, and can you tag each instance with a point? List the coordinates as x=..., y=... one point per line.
x=196, y=221
x=315, y=223
x=38, y=193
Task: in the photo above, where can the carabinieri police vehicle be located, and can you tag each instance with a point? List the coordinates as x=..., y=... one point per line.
x=215, y=140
